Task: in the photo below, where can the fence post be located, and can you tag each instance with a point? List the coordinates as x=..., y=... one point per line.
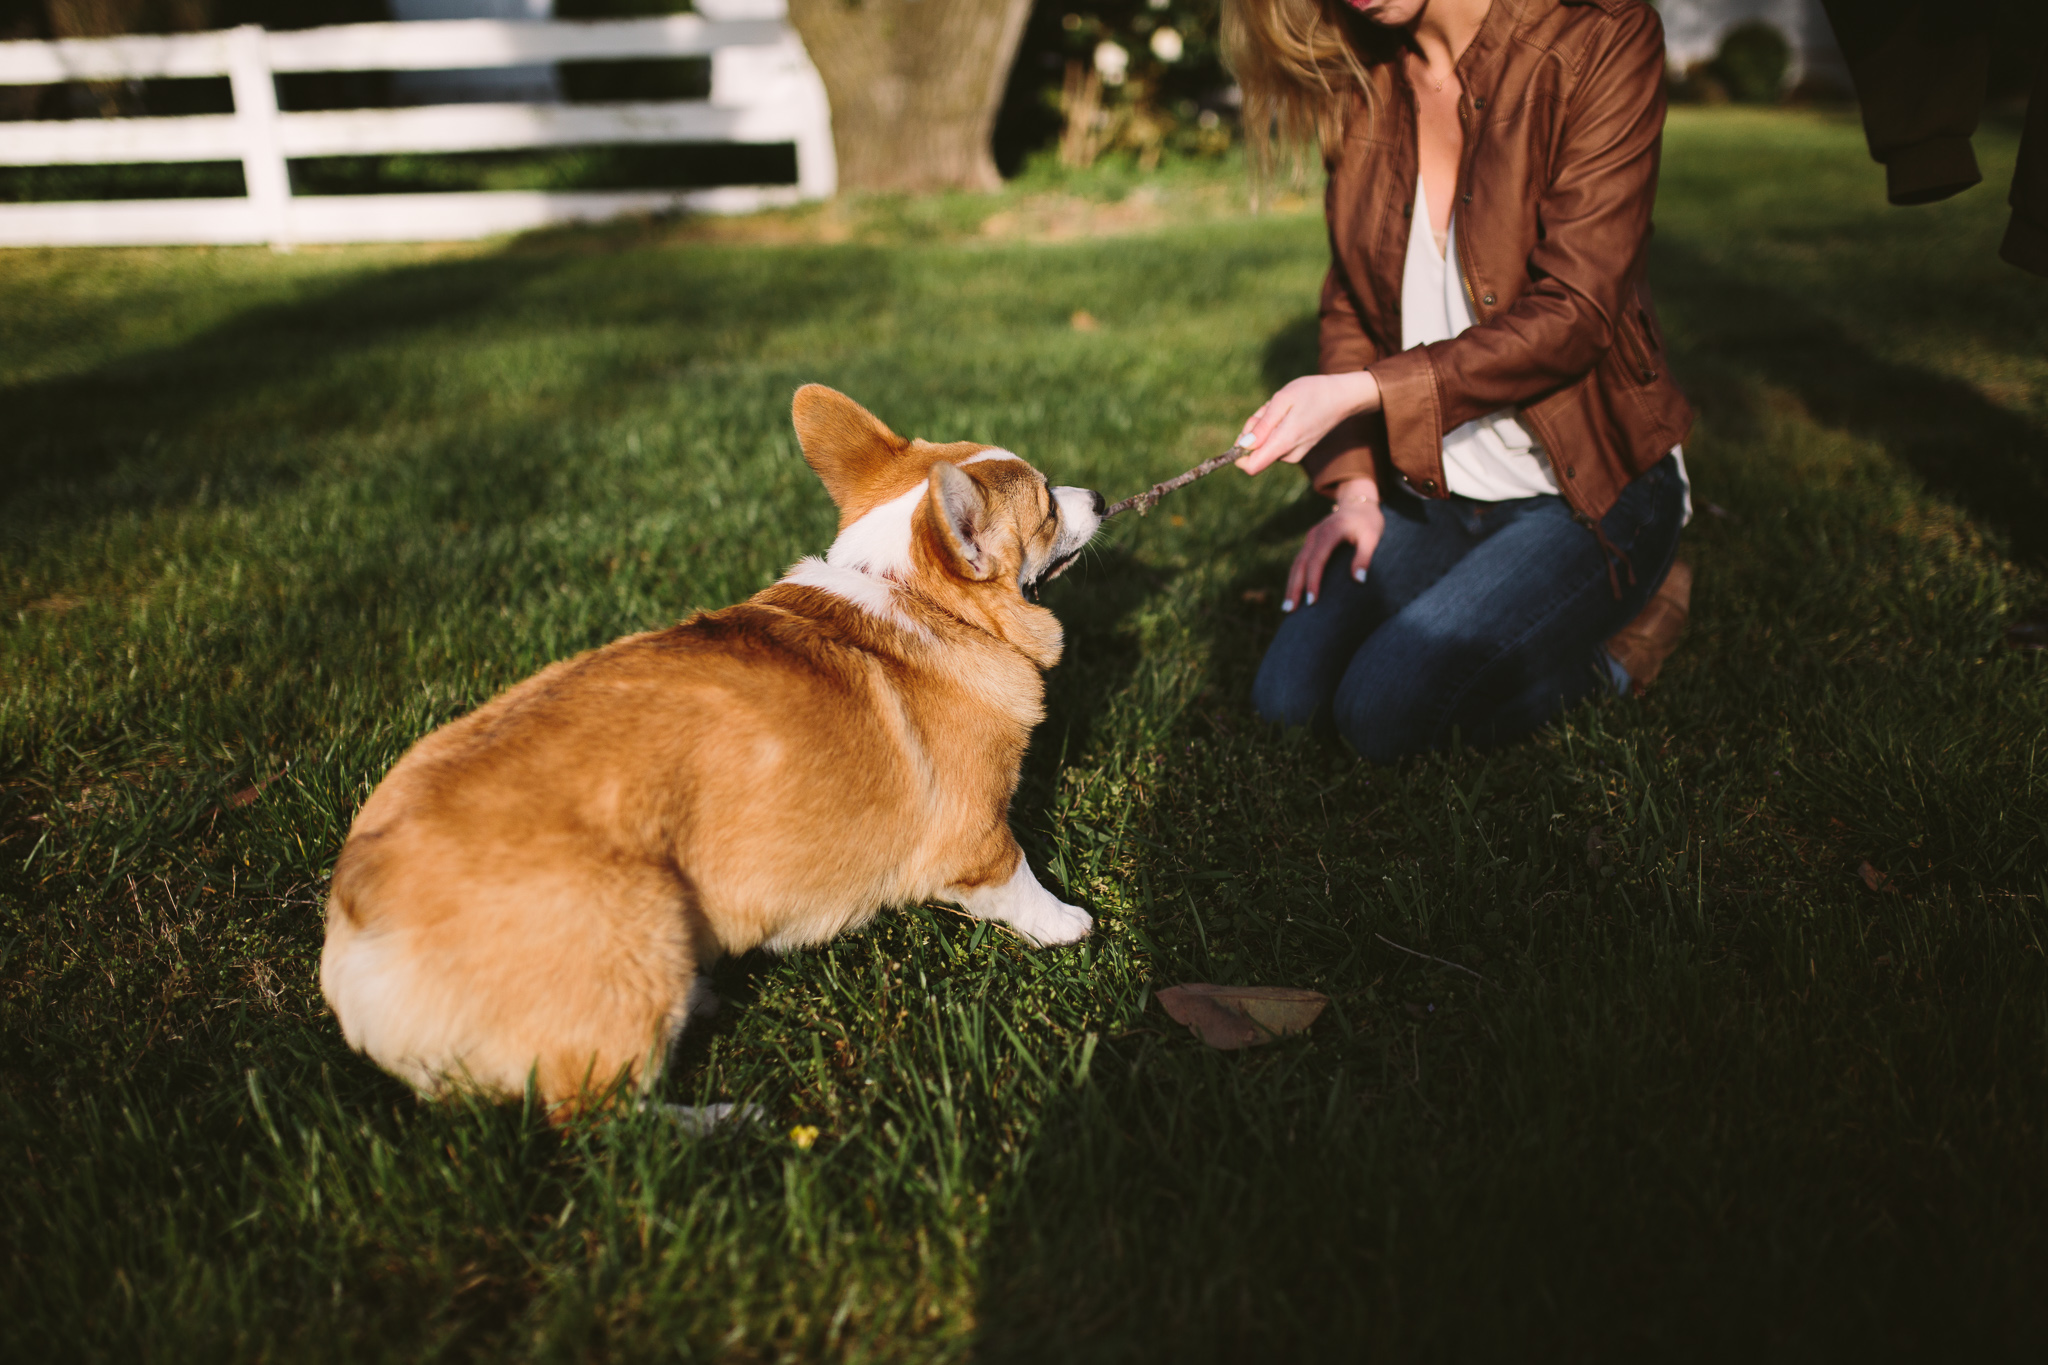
x=779, y=79
x=263, y=169
x=817, y=160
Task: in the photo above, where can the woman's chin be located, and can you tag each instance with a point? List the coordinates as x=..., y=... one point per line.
x=1390, y=12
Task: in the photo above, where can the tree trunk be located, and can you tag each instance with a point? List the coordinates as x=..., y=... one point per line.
x=914, y=86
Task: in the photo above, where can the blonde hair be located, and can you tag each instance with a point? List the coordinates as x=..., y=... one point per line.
x=1298, y=63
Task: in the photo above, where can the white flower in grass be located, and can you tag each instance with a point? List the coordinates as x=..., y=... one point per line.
x=1112, y=62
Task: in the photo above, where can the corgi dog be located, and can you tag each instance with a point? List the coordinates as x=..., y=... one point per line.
x=537, y=888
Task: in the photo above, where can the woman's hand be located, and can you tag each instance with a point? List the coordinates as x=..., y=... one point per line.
x=1357, y=521
x=1290, y=423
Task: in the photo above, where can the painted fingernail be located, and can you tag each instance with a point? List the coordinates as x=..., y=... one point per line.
x=1358, y=574
x=1309, y=600
x=1287, y=604
x=1247, y=441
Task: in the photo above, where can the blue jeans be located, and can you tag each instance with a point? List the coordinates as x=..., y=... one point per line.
x=1486, y=617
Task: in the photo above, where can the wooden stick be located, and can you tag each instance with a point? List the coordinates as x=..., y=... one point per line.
x=1142, y=502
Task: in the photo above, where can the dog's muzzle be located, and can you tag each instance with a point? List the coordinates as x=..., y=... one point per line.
x=1080, y=512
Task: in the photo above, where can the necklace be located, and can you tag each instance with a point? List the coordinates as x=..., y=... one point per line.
x=1425, y=71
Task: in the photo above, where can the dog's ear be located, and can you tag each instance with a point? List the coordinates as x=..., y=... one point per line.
x=846, y=445
x=962, y=515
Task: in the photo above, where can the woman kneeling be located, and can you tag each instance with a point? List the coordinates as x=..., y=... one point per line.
x=1494, y=418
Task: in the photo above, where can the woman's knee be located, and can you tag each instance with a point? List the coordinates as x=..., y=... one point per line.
x=1385, y=716
x=1380, y=734
x=1284, y=694
x=1311, y=651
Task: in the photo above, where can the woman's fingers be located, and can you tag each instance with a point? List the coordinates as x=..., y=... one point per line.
x=1361, y=556
x=1255, y=426
x=1275, y=428
x=1306, y=573
x=1285, y=437
x=1365, y=526
x=1258, y=433
x=1296, y=576
x=1315, y=557
x=1357, y=527
x=1259, y=460
x=1249, y=437
x=1290, y=423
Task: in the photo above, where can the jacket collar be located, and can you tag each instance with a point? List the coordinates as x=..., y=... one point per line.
x=1480, y=65
x=1479, y=68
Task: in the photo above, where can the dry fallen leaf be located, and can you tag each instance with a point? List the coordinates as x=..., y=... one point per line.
x=1872, y=878
x=1084, y=321
x=1230, y=1017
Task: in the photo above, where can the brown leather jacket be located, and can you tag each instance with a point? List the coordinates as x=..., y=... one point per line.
x=1564, y=118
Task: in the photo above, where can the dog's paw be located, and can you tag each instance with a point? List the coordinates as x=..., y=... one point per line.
x=1053, y=923
x=1039, y=916
x=709, y=1120
x=701, y=1002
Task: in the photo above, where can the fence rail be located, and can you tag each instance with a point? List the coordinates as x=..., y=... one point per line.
x=763, y=91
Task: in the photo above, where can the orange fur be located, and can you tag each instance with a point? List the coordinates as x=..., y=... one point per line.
x=534, y=888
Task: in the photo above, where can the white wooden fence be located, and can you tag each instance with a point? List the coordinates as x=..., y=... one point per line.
x=763, y=90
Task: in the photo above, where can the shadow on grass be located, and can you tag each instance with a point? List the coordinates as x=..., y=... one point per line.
x=91, y=443
x=1292, y=352
x=234, y=413
x=1205, y=1206
x=1743, y=338
x=1094, y=601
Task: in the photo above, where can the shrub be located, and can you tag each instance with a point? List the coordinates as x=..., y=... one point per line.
x=1141, y=76
x=1752, y=63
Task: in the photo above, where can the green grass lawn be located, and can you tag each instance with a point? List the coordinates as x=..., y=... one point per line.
x=1702, y=1091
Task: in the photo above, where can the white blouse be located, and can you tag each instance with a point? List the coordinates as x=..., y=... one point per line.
x=1490, y=458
